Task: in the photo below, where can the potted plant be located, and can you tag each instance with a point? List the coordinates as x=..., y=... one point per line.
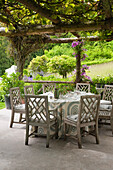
x=10, y=82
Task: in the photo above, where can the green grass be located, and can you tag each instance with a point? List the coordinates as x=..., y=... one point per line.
x=102, y=70
x=2, y=105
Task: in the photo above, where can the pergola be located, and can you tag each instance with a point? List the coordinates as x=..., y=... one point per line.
x=30, y=24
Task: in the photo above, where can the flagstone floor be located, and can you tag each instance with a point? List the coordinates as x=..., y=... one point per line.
x=62, y=155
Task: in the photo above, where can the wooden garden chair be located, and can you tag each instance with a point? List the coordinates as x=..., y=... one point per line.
x=87, y=116
x=16, y=106
x=106, y=106
x=49, y=87
x=38, y=114
x=28, y=89
x=83, y=87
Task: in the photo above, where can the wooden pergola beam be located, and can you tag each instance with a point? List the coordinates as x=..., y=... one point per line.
x=69, y=40
x=39, y=30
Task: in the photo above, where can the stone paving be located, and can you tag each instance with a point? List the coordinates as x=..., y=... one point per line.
x=62, y=155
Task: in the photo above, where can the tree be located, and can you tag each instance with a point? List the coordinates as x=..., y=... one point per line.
x=38, y=64
x=62, y=64
x=5, y=61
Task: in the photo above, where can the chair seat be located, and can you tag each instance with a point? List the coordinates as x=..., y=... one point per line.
x=105, y=102
x=72, y=117
x=105, y=107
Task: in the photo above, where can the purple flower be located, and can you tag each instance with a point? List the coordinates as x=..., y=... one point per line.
x=89, y=78
x=83, y=58
x=76, y=55
x=74, y=71
x=30, y=78
x=83, y=74
x=25, y=77
x=85, y=66
x=70, y=75
x=75, y=43
x=86, y=55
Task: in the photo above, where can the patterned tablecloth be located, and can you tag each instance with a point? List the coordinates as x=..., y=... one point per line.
x=66, y=105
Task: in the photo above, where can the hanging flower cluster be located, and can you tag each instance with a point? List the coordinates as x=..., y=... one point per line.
x=83, y=72
x=77, y=45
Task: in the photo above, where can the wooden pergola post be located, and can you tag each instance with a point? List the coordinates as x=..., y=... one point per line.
x=78, y=67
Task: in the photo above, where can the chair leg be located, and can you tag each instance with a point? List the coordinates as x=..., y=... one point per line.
x=96, y=134
x=111, y=121
x=36, y=130
x=56, y=130
x=64, y=131
x=12, y=119
x=27, y=134
x=79, y=138
x=20, y=117
x=48, y=137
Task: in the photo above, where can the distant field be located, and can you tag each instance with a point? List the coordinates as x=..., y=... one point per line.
x=102, y=70
x=2, y=105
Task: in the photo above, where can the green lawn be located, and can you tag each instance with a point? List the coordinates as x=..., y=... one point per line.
x=102, y=70
x=2, y=105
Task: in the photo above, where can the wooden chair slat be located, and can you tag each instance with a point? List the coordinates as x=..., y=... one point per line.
x=83, y=87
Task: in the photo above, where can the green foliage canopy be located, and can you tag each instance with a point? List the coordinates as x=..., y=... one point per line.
x=58, y=50
x=62, y=64
x=26, y=13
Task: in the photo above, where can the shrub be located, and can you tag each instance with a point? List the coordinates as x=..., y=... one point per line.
x=1, y=94
x=12, y=81
x=38, y=64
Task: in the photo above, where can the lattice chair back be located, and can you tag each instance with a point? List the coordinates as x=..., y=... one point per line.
x=83, y=87
x=49, y=87
x=88, y=110
x=15, y=96
x=108, y=92
x=37, y=109
x=28, y=89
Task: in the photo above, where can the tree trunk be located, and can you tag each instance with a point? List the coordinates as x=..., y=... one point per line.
x=65, y=75
x=20, y=66
x=78, y=67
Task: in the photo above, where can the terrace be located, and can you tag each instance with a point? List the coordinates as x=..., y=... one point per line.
x=61, y=154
